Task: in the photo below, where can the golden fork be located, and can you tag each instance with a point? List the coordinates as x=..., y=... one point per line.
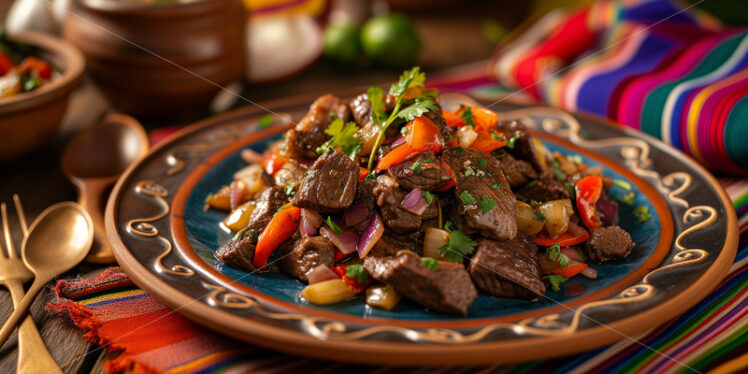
x=33, y=356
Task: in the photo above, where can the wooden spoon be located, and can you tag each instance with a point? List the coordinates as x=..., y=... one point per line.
x=94, y=160
x=58, y=240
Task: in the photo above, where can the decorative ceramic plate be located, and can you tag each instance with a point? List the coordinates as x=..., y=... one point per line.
x=165, y=241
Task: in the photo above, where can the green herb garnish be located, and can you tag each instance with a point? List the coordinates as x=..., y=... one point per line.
x=496, y=136
x=572, y=191
x=429, y=159
x=642, y=213
x=265, y=121
x=357, y=272
x=469, y=171
x=333, y=226
x=290, y=189
x=343, y=136
x=557, y=172
x=457, y=150
x=416, y=167
x=555, y=280
x=554, y=254
x=481, y=162
x=430, y=263
x=458, y=245
x=510, y=142
x=371, y=176
x=246, y=232
x=467, y=198
x=622, y=184
x=428, y=196
x=539, y=215
x=530, y=184
x=404, y=131
x=495, y=186
x=577, y=159
x=627, y=199
x=467, y=117
x=486, y=203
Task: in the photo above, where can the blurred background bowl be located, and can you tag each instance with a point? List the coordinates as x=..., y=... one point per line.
x=160, y=61
x=30, y=119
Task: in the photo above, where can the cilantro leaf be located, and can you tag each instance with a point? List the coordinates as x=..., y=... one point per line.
x=555, y=281
x=467, y=117
x=265, y=121
x=371, y=176
x=458, y=246
x=290, y=189
x=481, y=163
x=416, y=167
x=420, y=106
x=530, y=184
x=627, y=199
x=539, y=215
x=642, y=213
x=430, y=263
x=246, y=232
x=458, y=150
x=343, y=136
x=554, y=254
x=333, y=226
x=486, y=203
x=572, y=190
x=428, y=196
x=374, y=94
x=467, y=198
x=410, y=78
x=496, y=186
x=557, y=172
x=510, y=142
x=357, y=272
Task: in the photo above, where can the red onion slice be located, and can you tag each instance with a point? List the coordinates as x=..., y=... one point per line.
x=398, y=141
x=371, y=235
x=589, y=272
x=575, y=229
x=320, y=274
x=345, y=242
x=310, y=221
x=414, y=202
x=572, y=254
x=607, y=210
x=355, y=215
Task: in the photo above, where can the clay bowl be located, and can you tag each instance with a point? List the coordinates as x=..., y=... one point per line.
x=162, y=61
x=30, y=119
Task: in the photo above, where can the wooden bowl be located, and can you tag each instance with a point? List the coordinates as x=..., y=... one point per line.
x=30, y=119
x=160, y=61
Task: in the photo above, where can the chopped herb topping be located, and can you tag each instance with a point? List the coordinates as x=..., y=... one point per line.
x=428, y=196
x=577, y=159
x=530, y=184
x=416, y=167
x=496, y=136
x=622, y=184
x=357, y=272
x=404, y=131
x=333, y=226
x=642, y=213
x=495, y=186
x=533, y=203
x=467, y=117
x=467, y=198
x=481, y=162
x=430, y=263
x=557, y=172
x=555, y=281
x=572, y=191
x=343, y=136
x=428, y=159
x=458, y=245
x=246, y=232
x=510, y=142
x=371, y=176
x=469, y=171
x=627, y=199
x=554, y=254
x=539, y=215
x=486, y=203
x=290, y=189
x=498, y=154
x=265, y=121
x=480, y=173
x=457, y=150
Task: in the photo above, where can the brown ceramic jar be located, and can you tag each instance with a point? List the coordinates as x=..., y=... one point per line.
x=163, y=61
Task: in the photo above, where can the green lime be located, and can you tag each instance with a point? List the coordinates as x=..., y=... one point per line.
x=342, y=44
x=390, y=40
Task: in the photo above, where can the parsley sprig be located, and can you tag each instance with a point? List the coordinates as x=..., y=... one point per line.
x=343, y=136
x=430, y=263
x=554, y=254
x=357, y=272
x=421, y=105
x=555, y=280
x=458, y=246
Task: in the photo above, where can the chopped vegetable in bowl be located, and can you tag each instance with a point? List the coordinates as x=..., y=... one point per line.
x=391, y=197
x=20, y=70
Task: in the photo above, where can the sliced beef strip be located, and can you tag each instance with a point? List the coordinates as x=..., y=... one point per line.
x=546, y=189
x=238, y=253
x=483, y=182
x=330, y=185
x=309, y=133
x=508, y=268
x=299, y=257
x=448, y=290
x=608, y=243
x=269, y=201
x=523, y=147
x=361, y=110
x=517, y=172
x=390, y=243
x=430, y=175
x=396, y=218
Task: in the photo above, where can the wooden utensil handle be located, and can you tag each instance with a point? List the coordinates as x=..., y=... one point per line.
x=90, y=197
x=33, y=355
x=21, y=309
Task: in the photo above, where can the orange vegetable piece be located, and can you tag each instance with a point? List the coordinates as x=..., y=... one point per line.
x=422, y=134
x=281, y=227
x=395, y=156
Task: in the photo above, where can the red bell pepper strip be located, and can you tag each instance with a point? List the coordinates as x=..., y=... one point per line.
x=451, y=182
x=422, y=134
x=5, y=64
x=274, y=162
x=395, y=156
x=281, y=227
x=362, y=173
x=552, y=267
x=353, y=284
x=484, y=119
x=452, y=119
x=588, y=192
x=565, y=240
x=32, y=63
x=487, y=141
x=340, y=256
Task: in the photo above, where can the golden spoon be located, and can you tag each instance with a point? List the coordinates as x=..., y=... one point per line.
x=58, y=240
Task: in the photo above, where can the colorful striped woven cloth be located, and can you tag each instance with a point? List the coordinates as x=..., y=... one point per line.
x=658, y=66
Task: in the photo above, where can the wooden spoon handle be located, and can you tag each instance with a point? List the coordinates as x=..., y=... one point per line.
x=21, y=309
x=90, y=198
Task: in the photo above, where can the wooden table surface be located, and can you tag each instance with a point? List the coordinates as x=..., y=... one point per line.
x=449, y=40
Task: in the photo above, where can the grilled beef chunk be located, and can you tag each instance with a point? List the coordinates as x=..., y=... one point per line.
x=396, y=218
x=238, y=252
x=361, y=110
x=479, y=187
x=448, y=290
x=517, y=172
x=446, y=131
x=270, y=200
x=309, y=133
x=546, y=189
x=330, y=185
x=423, y=171
x=299, y=257
x=389, y=244
x=608, y=243
x=523, y=147
x=508, y=268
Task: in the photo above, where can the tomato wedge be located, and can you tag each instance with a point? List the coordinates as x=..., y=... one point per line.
x=281, y=227
x=395, y=156
x=452, y=119
x=588, y=192
x=362, y=173
x=422, y=134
